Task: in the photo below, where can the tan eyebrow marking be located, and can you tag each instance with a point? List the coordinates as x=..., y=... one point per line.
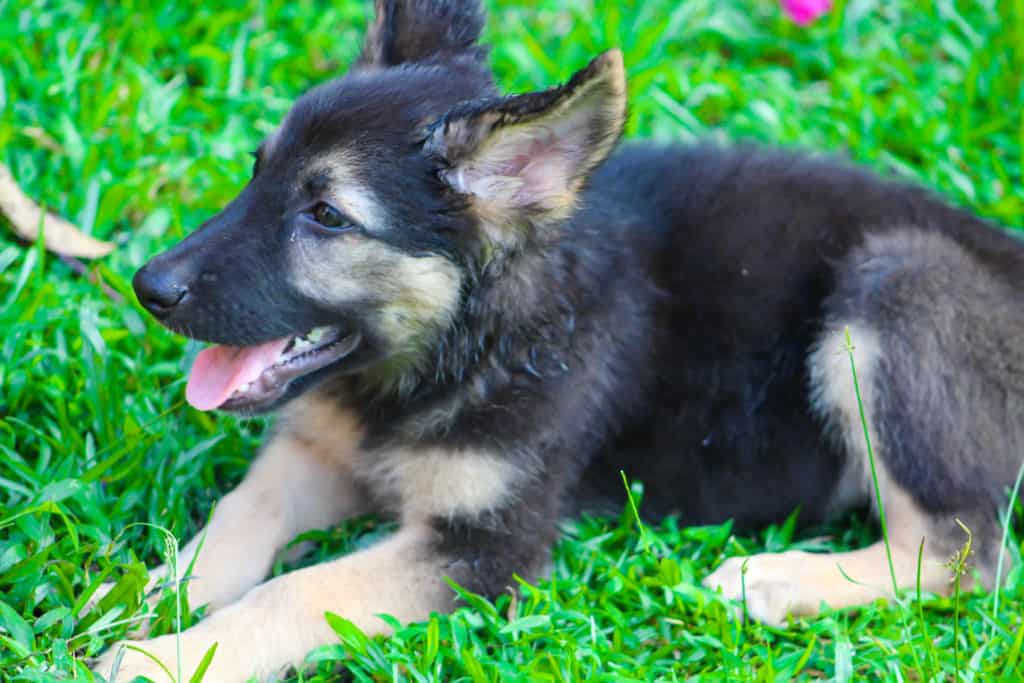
x=336, y=176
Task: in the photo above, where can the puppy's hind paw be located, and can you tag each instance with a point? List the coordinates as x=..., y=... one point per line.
x=764, y=586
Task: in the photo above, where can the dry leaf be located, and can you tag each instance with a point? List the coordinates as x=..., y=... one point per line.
x=25, y=217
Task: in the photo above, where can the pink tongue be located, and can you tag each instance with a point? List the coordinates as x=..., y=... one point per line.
x=220, y=370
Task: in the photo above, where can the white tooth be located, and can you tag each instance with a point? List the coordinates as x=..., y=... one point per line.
x=315, y=334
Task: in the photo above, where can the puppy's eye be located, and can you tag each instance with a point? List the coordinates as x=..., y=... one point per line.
x=329, y=217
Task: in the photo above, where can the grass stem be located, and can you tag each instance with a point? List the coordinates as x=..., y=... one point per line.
x=874, y=469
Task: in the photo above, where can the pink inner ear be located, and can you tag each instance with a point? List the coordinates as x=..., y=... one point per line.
x=514, y=166
x=534, y=162
x=538, y=145
x=531, y=165
x=545, y=174
x=527, y=168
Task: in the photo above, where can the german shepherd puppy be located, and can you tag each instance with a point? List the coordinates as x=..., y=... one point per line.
x=471, y=310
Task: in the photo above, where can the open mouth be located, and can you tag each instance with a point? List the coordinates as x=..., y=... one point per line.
x=240, y=377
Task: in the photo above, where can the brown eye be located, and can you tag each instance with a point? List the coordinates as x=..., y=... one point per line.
x=329, y=217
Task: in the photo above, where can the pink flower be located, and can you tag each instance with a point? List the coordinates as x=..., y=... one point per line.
x=804, y=12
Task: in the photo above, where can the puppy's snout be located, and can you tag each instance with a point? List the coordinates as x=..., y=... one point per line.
x=159, y=290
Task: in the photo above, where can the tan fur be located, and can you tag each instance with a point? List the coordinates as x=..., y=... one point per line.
x=797, y=583
x=439, y=483
x=413, y=294
x=834, y=398
x=311, y=474
x=412, y=291
x=301, y=480
x=414, y=297
x=278, y=623
x=428, y=294
x=347, y=190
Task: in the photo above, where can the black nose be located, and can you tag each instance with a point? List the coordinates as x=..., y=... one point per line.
x=158, y=289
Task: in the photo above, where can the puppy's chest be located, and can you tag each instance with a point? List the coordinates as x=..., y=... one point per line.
x=414, y=481
x=421, y=483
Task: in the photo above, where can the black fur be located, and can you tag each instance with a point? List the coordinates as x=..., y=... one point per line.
x=663, y=328
x=422, y=30
x=238, y=292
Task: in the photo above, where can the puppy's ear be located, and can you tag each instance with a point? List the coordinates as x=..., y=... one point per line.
x=413, y=30
x=526, y=156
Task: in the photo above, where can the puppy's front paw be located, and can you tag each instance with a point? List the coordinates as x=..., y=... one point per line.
x=239, y=654
x=769, y=585
x=130, y=662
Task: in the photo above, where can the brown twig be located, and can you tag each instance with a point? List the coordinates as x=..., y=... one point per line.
x=26, y=217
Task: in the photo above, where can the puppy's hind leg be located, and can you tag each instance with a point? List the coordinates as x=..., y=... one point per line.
x=797, y=583
x=942, y=392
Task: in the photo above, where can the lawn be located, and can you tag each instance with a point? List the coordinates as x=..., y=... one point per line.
x=135, y=119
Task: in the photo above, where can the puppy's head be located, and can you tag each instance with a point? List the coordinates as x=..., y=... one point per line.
x=374, y=207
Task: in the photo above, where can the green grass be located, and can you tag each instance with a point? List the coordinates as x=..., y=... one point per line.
x=134, y=119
